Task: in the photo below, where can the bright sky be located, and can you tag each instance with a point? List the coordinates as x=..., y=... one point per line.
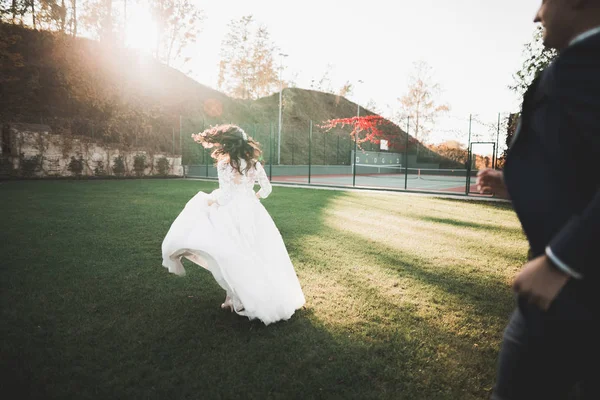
x=474, y=46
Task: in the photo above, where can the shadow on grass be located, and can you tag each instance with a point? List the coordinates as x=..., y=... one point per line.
x=480, y=304
x=484, y=294
x=383, y=205
x=88, y=310
x=494, y=205
x=471, y=225
x=421, y=226
x=430, y=358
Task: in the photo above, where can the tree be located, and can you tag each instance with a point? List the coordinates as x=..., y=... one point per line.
x=73, y=21
x=10, y=60
x=98, y=19
x=4, y=10
x=511, y=127
x=346, y=89
x=178, y=23
x=419, y=102
x=292, y=82
x=235, y=64
x=106, y=21
x=453, y=151
x=373, y=107
x=124, y=37
x=324, y=83
x=14, y=8
x=51, y=15
x=537, y=58
x=364, y=129
x=266, y=77
x=247, y=69
x=11, y=10
x=62, y=14
x=32, y=4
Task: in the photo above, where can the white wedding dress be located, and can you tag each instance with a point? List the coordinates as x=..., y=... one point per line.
x=237, y=241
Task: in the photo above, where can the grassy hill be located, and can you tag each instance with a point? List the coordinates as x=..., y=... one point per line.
x=116, y=95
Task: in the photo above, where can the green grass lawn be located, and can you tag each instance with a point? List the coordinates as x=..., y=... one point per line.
x=407, y=297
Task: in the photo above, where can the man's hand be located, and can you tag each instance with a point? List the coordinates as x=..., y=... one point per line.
x=257, y=195
x=492, y=181
x=539, y=282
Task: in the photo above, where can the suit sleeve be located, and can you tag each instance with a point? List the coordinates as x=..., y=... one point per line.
x=574, y=249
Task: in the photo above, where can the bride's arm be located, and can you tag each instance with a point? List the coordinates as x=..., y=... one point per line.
x=222, y=195
x=263, y=181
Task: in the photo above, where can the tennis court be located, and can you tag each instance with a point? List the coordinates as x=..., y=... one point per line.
x=391, y=177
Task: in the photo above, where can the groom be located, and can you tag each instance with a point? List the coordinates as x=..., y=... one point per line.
x=552, y=176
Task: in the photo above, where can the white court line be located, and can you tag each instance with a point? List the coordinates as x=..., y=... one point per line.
x=382, y=190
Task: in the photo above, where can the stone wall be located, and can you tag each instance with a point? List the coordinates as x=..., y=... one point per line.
x=33, y=150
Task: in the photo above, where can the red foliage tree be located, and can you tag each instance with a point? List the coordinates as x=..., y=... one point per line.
x=369, y=129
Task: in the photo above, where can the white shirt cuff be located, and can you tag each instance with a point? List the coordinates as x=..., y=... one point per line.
x=561, y=265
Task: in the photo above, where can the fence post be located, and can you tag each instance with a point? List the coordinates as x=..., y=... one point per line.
x=205, y=150
x=468, y=184
x=180, y=138
x=293, y=145
x=255, y=133
x=337, y=150
x=271, y=154
x=406, y=155
x=324, y=134
x=309, y=149
x=205, y=155
x=495, y=156
x=354, y=158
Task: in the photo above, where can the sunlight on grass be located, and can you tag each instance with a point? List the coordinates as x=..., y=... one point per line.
x=454, y=241
x=407, y=297
x=420, y=281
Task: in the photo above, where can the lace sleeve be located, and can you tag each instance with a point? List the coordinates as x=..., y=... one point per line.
x=222, y=195
x=263, y=181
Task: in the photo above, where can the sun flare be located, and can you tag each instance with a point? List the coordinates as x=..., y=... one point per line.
x=141, y=31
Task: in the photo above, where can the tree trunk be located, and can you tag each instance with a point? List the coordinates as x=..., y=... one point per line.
x=74, y=5
x=14, y=11
x=171, y=44
x=124, y=22
x=33, y=13
x=106, y=34
x=160, y=27
x=63, y=16
x=417, y=132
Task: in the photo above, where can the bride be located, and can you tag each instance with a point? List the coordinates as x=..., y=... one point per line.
x=231, y=234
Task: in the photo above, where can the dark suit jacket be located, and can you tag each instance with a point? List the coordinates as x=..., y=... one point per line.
x=552, y=170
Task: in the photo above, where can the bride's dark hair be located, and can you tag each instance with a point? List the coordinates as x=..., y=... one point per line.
x=234, y=145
